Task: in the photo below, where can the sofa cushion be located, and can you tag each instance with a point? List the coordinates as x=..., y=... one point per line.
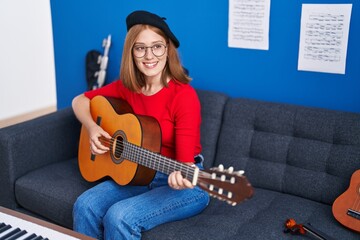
x=35, y=143
x=306, y=152
x=212, y=109
x=262, y=217
x=51, y=191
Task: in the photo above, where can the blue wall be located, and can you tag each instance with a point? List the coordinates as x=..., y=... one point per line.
x=202, y=26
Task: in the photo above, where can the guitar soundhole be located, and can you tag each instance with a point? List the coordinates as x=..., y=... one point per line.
x=118, y=147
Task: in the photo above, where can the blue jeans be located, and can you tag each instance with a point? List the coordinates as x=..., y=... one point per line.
x=111, y=211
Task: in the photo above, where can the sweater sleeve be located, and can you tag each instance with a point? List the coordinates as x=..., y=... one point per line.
x=187, y=125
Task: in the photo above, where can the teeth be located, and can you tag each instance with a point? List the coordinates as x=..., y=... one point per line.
x=150, y=64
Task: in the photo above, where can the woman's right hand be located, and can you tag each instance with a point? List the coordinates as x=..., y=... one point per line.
x=99, y=140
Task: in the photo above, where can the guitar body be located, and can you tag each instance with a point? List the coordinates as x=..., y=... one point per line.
x=116, y=117
x=347, y=204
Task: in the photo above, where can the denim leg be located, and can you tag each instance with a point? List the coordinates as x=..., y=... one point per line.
x=91, y=206
x=128, y=218
x=123, y=212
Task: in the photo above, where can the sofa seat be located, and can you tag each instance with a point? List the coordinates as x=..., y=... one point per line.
x=45, y=191
x=249, y=219
x=261, y=217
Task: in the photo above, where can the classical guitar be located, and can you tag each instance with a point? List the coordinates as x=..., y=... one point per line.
x=134, y=154
x=346, y=208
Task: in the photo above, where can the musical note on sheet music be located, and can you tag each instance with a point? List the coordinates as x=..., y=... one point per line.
x=324, y=37
x=249, y=24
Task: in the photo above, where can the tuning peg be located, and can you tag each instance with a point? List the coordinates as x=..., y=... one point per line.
x=230, y=169
x=220, y=198
x=221, y=167
x=232, y=180
x=229, y=195
x=223, y=178
x=240, y=172
x=220, y=191
x=229, y=202
x=211, y=187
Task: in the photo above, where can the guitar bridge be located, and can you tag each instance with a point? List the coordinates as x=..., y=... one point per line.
x=353, y=213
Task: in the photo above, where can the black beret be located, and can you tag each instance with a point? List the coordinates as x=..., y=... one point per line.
x=144, y=17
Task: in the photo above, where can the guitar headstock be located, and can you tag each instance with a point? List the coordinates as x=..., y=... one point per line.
x=225, y=184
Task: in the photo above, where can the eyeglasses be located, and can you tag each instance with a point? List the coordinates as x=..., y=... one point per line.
x=158, y=50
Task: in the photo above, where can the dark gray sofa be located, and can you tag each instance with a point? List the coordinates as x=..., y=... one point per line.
x=298, y=160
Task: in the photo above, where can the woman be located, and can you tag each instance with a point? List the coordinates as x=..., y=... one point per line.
x=154, y=83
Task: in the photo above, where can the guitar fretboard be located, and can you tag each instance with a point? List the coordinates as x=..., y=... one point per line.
x=155, y=161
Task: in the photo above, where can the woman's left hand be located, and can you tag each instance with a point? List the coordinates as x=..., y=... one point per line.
x=178, y=182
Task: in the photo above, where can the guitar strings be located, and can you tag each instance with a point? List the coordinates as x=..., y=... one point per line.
x=152, y=158
x=155, y=158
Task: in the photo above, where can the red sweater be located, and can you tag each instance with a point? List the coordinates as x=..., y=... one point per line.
x=176, y=108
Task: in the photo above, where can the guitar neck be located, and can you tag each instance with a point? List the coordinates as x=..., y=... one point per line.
x=156, y=161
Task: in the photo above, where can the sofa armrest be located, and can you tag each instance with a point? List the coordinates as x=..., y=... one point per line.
x=35, y=143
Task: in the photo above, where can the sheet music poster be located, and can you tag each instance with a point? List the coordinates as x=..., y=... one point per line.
x=249, y=24
x=324, y=37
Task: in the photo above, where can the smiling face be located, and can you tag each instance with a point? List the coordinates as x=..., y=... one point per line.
x=150, y=65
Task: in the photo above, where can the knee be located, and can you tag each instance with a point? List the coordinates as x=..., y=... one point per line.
x=119, y=224
x=80, y=211
x=114, y=219
x=85, y=208
x=80, y=206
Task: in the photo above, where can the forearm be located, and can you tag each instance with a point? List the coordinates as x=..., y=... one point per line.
x=81, y=107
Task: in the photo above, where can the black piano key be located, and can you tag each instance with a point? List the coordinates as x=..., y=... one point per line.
x=4, y=228
x=31, y=237
x=17, y=235
x=11, y=233
x=39, y=238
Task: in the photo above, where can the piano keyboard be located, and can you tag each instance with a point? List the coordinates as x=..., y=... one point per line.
x=13, y=228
